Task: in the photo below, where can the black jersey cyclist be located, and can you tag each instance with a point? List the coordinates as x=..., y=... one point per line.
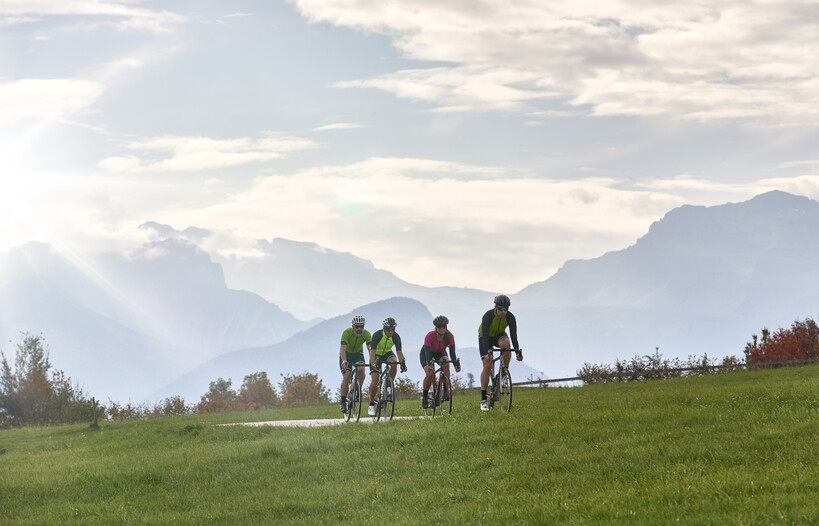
x=492, y=333
x=381, y=352
x=351, y=352
x=435, y=346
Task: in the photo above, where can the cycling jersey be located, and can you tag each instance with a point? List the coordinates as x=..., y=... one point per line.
x=355, y=343
x=493, y=326
x=434, y=345
x=383, y=344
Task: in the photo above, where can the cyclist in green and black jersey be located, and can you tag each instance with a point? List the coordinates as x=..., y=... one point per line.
x=352, y=351
x=381, y=352
x=492, y=333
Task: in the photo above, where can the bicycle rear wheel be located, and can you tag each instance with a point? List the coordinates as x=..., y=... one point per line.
x=436, y=396
x=505, y=391
x=389, y=398
x=445, y=398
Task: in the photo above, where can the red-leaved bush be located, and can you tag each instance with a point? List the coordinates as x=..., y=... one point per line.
x=799, y=342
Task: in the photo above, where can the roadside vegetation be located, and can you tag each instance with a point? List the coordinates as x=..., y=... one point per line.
x=721, y=449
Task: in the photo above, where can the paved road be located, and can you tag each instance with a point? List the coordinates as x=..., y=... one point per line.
x=314, y=423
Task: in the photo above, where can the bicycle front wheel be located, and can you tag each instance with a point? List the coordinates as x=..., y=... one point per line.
x=505, y=397
x=350, y=397
x=355, y=392
x=445, y=399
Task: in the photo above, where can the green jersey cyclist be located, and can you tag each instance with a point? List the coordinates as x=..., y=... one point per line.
x=352, y=351
x=381, y=352
x=492, y=333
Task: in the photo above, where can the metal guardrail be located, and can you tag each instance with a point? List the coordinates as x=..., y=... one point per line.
x=649, y=373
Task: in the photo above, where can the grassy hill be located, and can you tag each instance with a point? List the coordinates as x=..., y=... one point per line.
x=737, y=448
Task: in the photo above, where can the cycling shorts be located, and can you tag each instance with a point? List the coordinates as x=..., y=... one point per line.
x=352, y=359
x=382, y=358
x=485, y=343
x=428, y=356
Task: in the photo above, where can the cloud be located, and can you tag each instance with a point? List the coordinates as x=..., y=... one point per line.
x=340, y=126
x=185, y=154
x=56, y=99
x=438, y=217
x=134, y=17
x=697, y=61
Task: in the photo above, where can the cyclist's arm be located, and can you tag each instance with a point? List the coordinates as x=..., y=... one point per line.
x=377, y=339
x=396, y=339
x=427, y=350
x=513, y=329
x=486, y=322
x=452, y=353
x=343, y=352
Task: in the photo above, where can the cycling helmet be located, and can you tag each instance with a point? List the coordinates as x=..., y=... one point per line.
x=502, y=300
x=440, y=320
x=358, y=320
x=389, y=322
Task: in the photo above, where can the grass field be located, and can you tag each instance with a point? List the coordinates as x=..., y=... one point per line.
x=739, y=448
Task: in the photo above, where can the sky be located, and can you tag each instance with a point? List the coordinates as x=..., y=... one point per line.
x=464, y=142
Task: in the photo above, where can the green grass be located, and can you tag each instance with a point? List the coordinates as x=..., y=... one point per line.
x=738, y=448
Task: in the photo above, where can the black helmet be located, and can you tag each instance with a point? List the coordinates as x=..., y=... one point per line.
x=440, y=320
x=389, y=322
x=502, y=300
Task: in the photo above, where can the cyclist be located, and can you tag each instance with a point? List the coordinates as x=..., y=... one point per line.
x=435, y=345
x=380, y=352
x=353, y=338
x=492, y=333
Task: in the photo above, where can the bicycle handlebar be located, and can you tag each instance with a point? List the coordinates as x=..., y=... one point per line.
x=501, y=349
x=439, y=363
x=357, y=364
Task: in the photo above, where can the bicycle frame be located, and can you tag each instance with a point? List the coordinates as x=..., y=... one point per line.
x=354, y=393
x=500, y=385
x=441, y=387
x=384, y=400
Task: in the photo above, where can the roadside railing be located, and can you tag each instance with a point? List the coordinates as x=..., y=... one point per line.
x=664, y=372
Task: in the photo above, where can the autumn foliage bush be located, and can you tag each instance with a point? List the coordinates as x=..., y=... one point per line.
x=799, y=342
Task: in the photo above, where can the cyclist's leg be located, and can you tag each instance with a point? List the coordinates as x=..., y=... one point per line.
x=428, y=370
x=345, y=380
x=484, y=344
x=389, y=358
x=504, y=343
x=373, y=386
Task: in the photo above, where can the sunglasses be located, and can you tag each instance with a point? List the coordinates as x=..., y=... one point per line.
x=440, y=326
x=389, y=329
x=359, y=327
x=502, y=309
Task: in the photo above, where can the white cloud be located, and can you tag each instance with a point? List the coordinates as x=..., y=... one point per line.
x=702, y=60
x=134, y=17
x=175, y=154
x=340, y=126
x=26, y=99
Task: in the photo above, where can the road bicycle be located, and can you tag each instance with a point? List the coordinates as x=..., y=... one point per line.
x=385, y=396
x=500, y=385
x=441, y=401
x=354, y=394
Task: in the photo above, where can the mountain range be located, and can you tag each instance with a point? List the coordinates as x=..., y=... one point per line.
x=170, y=317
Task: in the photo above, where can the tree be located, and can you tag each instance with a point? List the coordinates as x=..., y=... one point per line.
x=257, y=392
x=303, y=389
x=220, y=397
x=27, y=396
x=404, y=387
